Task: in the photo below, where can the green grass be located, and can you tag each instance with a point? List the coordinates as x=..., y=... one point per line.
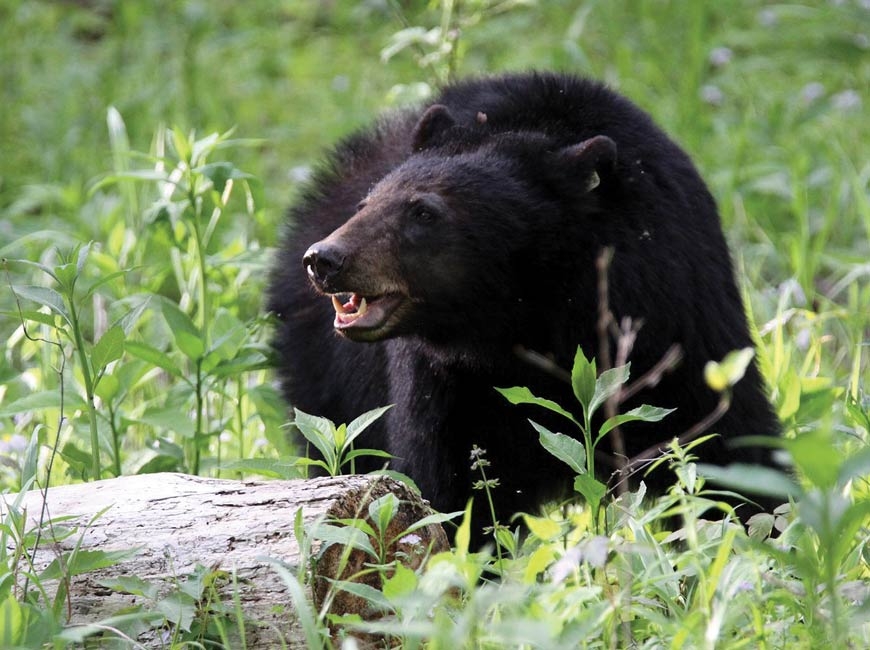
x=135, y=242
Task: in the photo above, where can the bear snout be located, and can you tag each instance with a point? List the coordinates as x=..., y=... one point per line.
x=323, y=264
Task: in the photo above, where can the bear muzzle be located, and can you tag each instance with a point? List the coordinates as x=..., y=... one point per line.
x=323, y=265
x=359, y=317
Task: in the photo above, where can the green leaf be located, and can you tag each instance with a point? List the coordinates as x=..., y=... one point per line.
x=435, y=518
x=75, y=563
x=356, y=453
x=751, y=479
x=344, y=536
x=592, y=489
x=858, y=464
x=607, y=384
x=541, y=558
x=66, y=277
x=13, y=617
x=49, y=399
x=30, y=315
x=463, y=532
x=383, y=510
x=373, y=597
x=31, y=458
x=161, y=463
x=149, y=175
x=301, y=605
x=248, y=362
x=153, y=356
x=78, y=634
x=179, y=609
x=583, y=374
x=360, y=424
x=320, y=432
x=187, y=336
x=729, y=371
x=30, y=263
x=522, y=395
x=82, y=257
x=219, y=173
x=133, y=585
x=129, y=320
x=789, y=395
x=543, y=528
x=846, y=529
x=402, y=582
x=107, y=387
x=283, y=468
x=567, y=449
x=643, y=413
x=79, y=461
x=45, y=297
x=105, y=280
x=169, y=419
x=340, y=435
x=203, y=147
x=228, y=334
x=816, y=457
x=109, y=348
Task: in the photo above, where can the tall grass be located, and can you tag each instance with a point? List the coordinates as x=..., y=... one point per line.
x=135, y=233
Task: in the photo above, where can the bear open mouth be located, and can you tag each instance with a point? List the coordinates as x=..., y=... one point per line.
x=354, y=312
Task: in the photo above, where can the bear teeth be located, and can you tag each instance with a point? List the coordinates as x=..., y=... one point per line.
x=354, y=308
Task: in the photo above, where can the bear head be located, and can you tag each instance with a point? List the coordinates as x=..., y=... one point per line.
x=452, y=243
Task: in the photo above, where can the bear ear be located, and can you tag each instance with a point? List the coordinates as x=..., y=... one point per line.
x=595, y=158
x=435, y=120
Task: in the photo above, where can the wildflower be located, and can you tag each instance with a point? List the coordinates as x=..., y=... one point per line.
x=712, y=95
x=721, y=56
x=811, y=92
x=846, y=100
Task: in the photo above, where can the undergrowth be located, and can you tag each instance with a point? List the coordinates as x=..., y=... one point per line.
x=133, y=340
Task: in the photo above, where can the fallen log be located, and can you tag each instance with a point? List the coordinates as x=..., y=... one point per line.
x=178, y=524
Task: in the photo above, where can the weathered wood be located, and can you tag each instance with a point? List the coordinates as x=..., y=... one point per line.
x=178, y=522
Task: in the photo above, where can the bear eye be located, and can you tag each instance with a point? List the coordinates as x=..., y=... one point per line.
x=423, y=214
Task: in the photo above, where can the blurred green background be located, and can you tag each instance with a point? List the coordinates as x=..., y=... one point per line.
x=769, y=98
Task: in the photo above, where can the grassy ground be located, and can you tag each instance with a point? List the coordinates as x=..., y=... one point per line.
x=160, y=314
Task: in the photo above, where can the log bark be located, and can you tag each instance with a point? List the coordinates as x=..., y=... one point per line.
x=178, y=522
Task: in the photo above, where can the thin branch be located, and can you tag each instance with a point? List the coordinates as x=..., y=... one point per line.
x=605, y=317
x=543, y=363
x=653, y=376
x=651, y=454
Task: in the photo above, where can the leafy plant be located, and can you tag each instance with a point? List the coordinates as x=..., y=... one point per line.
x=592, y=392
x=335, y=443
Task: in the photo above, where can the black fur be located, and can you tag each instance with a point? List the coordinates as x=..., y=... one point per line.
x=486, y=215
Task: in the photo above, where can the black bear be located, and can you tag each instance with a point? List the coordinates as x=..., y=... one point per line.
x=431, y=247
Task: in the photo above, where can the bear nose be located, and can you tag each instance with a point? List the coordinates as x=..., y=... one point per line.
x=323, y=263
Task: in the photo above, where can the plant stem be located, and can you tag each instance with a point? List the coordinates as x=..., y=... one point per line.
x=197, y=433
x=204, y=306
x=116, y=441
x=89, y=389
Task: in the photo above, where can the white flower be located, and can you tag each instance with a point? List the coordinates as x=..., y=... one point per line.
x=721, y=56
x=846, y=100
x=712, y=95
x=811, y=92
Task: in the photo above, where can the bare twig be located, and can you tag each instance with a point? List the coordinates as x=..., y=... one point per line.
x=605, y=317
x=653, y=376
x=543, y=363
x=651, y=454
